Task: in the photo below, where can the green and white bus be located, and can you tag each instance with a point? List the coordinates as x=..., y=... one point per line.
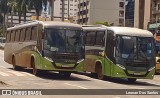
x=120, y=52
x=56, y=46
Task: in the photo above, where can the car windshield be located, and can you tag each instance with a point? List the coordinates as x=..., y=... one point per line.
x=59, y=40
x=134, y=47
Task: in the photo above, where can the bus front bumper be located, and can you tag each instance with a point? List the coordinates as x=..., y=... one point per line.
x=120, y=72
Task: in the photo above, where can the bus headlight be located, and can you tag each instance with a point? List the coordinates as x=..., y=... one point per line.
x=121, y=66
x=151, y=68
x=80, y=61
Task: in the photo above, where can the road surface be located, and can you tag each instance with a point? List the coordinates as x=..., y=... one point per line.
x=10, y=79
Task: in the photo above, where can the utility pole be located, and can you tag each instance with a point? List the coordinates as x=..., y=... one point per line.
x=62, y=10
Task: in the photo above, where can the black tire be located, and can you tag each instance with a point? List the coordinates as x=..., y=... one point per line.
x=65, y=74
x=93, y=75
x=35, y=71
x=99, y=72
x=15, y=67
x=132, y=80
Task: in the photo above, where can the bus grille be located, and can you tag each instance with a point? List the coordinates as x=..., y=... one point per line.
x=64, y=56
x=137, y=66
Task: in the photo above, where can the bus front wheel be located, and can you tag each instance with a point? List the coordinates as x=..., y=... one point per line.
x=35, y=71
x=132, y=80
x=65, y=74
x=99, y=72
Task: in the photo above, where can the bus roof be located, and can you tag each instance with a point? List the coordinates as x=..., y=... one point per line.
x=121, y=30
x=57, y=23
x=93, y=28
x=45, y=24
x=131, y=31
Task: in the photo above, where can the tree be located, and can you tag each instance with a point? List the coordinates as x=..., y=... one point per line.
x=4, y=10
x=51, y=3
x=19, y=9
x=103, y=23
x=12, y=9
x=38, y=6
x=24, y=8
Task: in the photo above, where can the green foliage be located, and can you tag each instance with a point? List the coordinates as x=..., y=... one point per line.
x=21, y=7
x=38, y=6
x=103, y=23
x=4, y=6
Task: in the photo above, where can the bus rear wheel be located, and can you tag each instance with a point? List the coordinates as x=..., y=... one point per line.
x=132, y=80
x=15, y=67
x=93, y=75
x=99, y=72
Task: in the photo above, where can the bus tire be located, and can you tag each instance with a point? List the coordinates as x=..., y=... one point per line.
x=99, y=71
x=35, y=71
x=65, y=74
x=132, y=80
x=15, y=67
x=93, y=75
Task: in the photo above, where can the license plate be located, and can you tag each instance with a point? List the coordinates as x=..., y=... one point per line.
x=65, y=66
x=137, y=73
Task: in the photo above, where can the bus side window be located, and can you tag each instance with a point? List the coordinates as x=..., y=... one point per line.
x=100, y=38
x=34, y=33
x=17, y=35
x=28, y=34
x=22, y=35
x=90, y=38
x=12, y=36
x=8, y=36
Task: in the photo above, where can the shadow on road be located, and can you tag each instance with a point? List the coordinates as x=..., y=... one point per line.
x=124, y=81
x=137, y=83
x=51, y=75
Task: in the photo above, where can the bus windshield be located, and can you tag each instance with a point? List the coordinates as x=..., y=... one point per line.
x=134, y=47
x=63, y=40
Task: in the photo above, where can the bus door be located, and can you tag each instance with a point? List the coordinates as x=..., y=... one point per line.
x=109, y=51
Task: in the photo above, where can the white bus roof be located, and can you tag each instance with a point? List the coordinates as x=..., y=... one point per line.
x=57, y=23
x=45, y=24
x=94, y=27
x=122, y=30
x=131, y=31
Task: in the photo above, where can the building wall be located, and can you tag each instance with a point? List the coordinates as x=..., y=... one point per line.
x=154, y=23
x=104, y=11
x=142, y=13
x=129, y=19
x=136, y=14
x=57, y=8
x=147, y=13
x=92, y=11
x=72, y=8
x=16, y=18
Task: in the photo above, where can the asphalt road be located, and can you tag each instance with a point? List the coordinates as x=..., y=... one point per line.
x=10, y=79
